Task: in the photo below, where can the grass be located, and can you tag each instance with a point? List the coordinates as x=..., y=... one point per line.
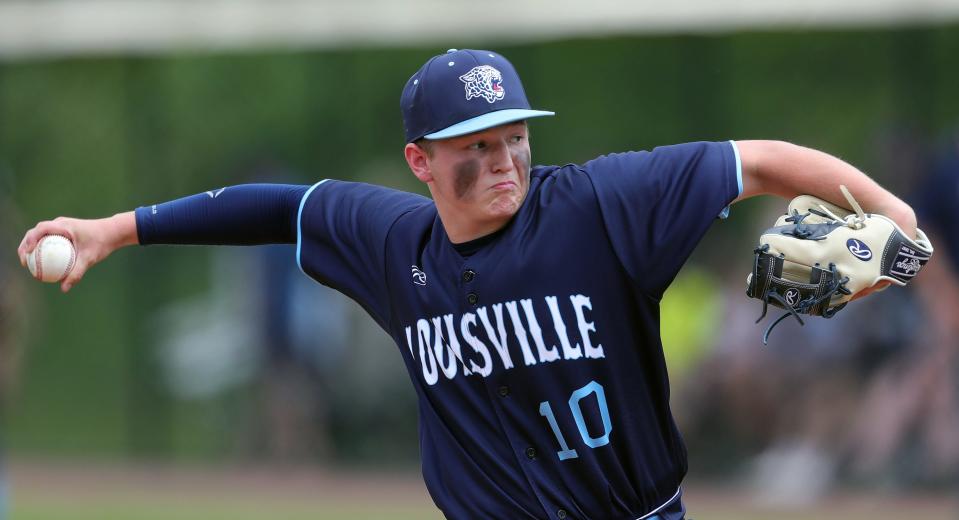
x=121, y=509
x=90, y=492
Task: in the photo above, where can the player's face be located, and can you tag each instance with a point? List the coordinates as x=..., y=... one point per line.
x=482, y=176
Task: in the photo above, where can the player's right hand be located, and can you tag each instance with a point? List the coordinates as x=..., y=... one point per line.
x=94, y=240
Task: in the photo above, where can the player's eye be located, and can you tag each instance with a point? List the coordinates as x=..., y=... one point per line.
x=479, y=145
x=517, y=139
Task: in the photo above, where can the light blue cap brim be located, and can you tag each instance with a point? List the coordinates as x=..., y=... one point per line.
x=488, y=120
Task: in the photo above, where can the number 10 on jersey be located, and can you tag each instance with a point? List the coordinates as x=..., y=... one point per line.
x=574, y=407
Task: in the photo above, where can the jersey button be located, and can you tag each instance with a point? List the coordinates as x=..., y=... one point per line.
x=561, y=514
x=531, y=453
x=503, y=391
x=468, y=275
x=472, y=298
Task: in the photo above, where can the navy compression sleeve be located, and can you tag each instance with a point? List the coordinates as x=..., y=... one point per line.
x=247, y=214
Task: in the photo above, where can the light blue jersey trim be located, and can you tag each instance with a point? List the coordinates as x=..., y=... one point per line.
x=739, y=177
x=487, y=120
x=739, y=167
x=299, y=223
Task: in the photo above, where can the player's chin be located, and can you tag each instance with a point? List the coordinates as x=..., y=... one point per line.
x=505, y=204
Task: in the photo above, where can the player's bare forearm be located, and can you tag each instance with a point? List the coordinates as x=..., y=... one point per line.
x=237, y=215
x=122, y=230
x=94, y=239
x=788, y=170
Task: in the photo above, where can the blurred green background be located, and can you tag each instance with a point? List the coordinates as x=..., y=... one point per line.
x=88, y=137
x=92, y=137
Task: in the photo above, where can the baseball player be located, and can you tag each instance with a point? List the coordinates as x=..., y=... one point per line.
x=524, y=300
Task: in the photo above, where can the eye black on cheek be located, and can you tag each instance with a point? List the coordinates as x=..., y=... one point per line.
x=522, y=159
x=467, y=172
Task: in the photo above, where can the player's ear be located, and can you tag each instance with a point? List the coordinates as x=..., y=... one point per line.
x=418, y=160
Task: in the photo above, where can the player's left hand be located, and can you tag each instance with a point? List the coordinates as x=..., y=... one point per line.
x=819, y=256
x=880, y=286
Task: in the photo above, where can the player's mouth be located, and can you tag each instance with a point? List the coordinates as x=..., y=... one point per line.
x=505, y=185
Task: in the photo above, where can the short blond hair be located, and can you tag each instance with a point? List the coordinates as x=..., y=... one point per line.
x=426, y=145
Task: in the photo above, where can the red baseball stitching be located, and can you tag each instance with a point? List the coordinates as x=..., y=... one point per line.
x=38, y=256
x=73, y=258
x=37, y=259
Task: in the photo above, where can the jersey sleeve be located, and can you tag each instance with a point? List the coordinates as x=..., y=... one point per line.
x=342, y=229
x=657, y=205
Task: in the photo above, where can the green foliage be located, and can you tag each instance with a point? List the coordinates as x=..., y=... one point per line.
x=89, y=137
x=690, y=317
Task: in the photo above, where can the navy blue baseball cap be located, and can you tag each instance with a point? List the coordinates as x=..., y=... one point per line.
x=461, y=92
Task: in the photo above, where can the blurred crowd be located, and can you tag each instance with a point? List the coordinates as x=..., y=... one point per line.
x=307, y=376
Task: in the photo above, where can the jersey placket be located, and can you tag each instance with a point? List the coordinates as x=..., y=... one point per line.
x=498, y=392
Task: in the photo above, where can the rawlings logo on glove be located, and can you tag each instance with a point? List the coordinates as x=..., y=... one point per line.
x=818, y=256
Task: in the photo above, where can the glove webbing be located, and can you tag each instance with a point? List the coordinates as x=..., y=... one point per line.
x=812, y=298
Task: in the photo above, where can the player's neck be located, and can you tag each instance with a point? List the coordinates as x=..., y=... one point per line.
x=462, y=229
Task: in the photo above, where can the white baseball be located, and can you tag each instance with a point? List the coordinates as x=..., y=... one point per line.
x=52, y=259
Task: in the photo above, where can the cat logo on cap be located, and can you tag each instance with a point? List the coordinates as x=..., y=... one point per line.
x=484, y=81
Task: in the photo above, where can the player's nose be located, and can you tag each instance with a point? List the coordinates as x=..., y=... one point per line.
x=502, y=159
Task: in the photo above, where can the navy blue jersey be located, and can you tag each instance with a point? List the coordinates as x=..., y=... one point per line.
x=535, y=352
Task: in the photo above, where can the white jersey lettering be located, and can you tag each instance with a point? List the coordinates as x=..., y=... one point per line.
x=569, y=351
x=409, y=341
x=439, y=347
x=454, y=343
x=545, y=354
x=430, y=374
x=444, y=352
x=468, y=320
x=520, y=332
x=497, y=337
x=579, y=303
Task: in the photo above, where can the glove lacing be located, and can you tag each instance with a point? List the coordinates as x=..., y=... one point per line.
x=837, y=285
x=799, y=229
x=855, y=222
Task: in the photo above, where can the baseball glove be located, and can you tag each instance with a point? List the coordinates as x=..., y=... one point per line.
x=819, y=255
